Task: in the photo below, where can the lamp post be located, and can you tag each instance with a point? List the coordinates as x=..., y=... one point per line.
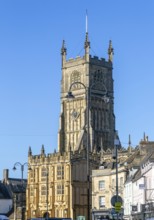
x=47, y=192
x=14, y=201
x=116, y=144
x=22, y=172
x=71, y=96
x=88, y=144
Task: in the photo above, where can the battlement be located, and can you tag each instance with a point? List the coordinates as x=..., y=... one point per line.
x=77, y=58
x=50, y=158
x=100, y=61
x=97, y=58
x=93, y=60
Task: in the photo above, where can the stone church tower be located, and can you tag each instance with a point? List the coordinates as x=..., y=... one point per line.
x=59, y=184
x=90, y=81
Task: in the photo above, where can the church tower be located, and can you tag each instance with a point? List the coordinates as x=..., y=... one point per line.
x=59, y=184
x=91, y=110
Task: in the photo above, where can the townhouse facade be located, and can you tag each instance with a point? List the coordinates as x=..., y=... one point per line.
x=139, y=185
x=135, y=184
x=104, y=189
x=12, y=196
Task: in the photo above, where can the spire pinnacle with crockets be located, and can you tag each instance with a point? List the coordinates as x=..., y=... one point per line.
x=63, y=49
x=110, y=52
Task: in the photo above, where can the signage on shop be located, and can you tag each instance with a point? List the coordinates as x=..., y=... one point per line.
x=141, y=186
x=134, y=208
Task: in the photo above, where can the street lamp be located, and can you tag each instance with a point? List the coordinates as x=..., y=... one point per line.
x=22, y=168
x=47, y=192
x=88, y=144
x=22, y=172
x=71, y=96
x=116, y=145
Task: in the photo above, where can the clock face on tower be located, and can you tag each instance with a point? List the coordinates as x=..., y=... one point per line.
x=75, y=114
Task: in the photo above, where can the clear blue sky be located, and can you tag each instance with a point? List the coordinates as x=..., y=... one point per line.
x=31, y=34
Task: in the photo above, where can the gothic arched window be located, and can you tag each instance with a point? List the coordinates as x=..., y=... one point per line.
x=60, y=189
x=43, y=190
x=98, y=80
x=60, y=172
x=43, y=174
x=75, y=77
x=31, y=191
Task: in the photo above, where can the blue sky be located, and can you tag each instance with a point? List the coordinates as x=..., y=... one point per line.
x=31, y=34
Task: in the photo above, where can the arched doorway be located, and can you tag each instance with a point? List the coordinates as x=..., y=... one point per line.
x=46, y=215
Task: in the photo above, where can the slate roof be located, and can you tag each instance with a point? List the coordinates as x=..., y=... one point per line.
x=4, y=193
x=137, y=175
x=148, y=157
x=17, y=188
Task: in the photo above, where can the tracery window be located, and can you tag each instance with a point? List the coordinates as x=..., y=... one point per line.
x=31, y=191
x=60, y=189
x=43, y=190
x=60, y=172
x=98, y=80
x=43, y=174
x=98, y=76
x=75, y=77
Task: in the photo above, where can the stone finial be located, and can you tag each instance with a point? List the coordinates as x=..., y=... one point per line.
x=87, y=42
x=42, y=149
x=144, y=136
x=102, y=150
x=129, y=140
x=129, y=145
x=63, y=49
x=30, y=151
x=110, y=52
x=147, y=138
x=102, y=155
x=94, y=150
